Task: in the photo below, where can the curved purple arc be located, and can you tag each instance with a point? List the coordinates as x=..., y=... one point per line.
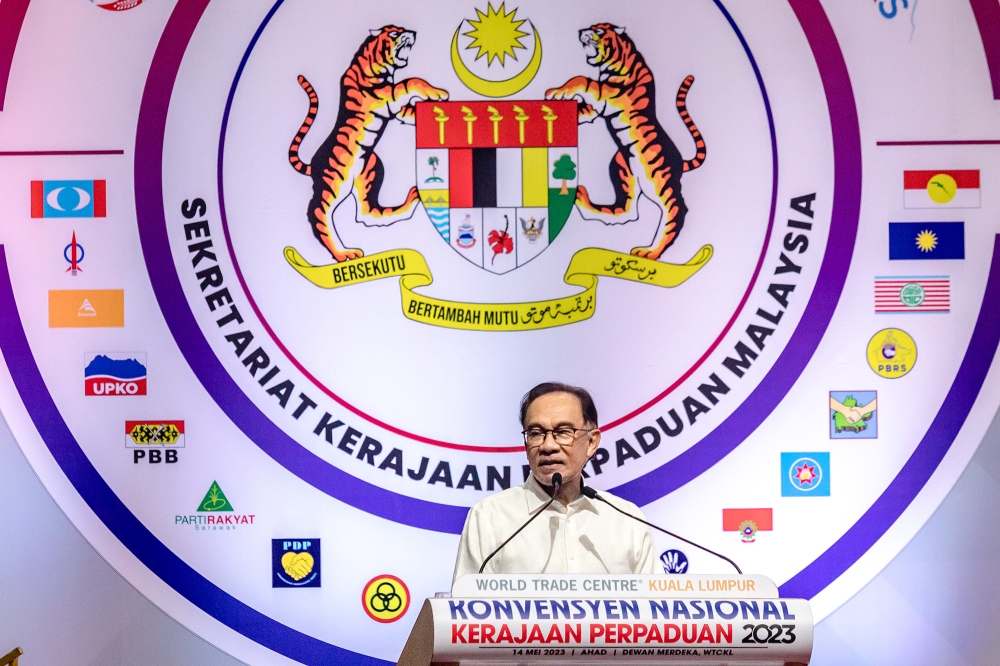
x=11, y=20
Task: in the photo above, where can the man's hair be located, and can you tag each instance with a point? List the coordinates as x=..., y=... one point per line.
x=586, y=402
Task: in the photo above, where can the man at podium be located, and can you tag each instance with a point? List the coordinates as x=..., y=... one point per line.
x=567, y=532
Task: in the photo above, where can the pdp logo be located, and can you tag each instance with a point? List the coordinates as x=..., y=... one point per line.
x=295, y=563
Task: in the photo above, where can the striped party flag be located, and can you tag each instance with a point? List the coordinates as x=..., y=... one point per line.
x=904, y=295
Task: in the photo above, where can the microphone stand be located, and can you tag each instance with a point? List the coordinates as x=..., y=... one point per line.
x=587, y=491
x=556, y=485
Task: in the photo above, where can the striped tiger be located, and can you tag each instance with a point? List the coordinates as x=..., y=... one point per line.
x=346, y=162
x=647, y=162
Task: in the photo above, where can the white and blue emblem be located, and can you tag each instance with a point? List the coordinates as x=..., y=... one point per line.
x=674, y=562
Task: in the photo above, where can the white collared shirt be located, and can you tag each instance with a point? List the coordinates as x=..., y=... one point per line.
x=584, y=537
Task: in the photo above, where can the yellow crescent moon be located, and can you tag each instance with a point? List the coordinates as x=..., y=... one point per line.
x=503, y=88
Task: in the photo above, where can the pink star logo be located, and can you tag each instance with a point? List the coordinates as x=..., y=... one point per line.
x=805, y=474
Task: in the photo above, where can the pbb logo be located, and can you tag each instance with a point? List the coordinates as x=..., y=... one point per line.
x=115, y=374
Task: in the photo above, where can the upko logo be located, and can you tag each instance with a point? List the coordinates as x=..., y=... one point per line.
x=115, y=374
x=385, y=598
x=295, y=563
x=215, y=513
x=891, y=353
x=154, y=441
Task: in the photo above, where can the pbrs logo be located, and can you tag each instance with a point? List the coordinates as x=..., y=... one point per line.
x=115, y=374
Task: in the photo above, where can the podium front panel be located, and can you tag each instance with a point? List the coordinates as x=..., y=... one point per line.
x=610, y=631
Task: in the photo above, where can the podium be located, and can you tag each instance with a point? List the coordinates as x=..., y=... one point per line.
x=601, y=619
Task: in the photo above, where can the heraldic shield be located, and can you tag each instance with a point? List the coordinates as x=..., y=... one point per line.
x=497, y=179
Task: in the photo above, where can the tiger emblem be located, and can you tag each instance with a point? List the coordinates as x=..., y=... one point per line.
x=647, y=162
x=346, y=163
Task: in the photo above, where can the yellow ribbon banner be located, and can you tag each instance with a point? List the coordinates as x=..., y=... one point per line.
x=584, y=269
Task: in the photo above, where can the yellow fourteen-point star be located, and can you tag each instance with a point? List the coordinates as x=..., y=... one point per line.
x=926, y=240
x=496, y=34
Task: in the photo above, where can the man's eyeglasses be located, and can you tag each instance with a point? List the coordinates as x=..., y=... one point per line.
x=563, y=435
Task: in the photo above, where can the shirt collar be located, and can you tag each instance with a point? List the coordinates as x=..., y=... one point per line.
x=536, y=496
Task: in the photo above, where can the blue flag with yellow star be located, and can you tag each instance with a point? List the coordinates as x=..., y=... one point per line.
x=926, y=240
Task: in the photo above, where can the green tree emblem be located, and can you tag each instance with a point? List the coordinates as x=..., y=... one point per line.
x=565, y=169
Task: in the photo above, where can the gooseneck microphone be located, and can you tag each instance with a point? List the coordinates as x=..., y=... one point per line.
x=587, y=491
x=556, y=484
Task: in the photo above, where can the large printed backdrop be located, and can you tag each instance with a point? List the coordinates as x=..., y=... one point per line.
x=275, y=277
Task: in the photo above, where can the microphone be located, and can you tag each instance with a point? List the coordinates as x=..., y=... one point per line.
x=556, y=484
x=587, y=491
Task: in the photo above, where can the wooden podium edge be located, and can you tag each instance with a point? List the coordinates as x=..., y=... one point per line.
x=419, y=648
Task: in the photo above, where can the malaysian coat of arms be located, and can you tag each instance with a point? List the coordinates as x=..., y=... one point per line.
x=498, y=178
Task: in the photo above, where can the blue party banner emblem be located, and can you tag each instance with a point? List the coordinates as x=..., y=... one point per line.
x=805, y=474
x=853, y=415
x=68, y=198
x=926, y=240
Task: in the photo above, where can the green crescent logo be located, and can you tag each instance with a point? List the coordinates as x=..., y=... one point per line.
x=503, y=88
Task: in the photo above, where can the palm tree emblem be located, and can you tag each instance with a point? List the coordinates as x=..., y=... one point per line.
x=433, y=162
